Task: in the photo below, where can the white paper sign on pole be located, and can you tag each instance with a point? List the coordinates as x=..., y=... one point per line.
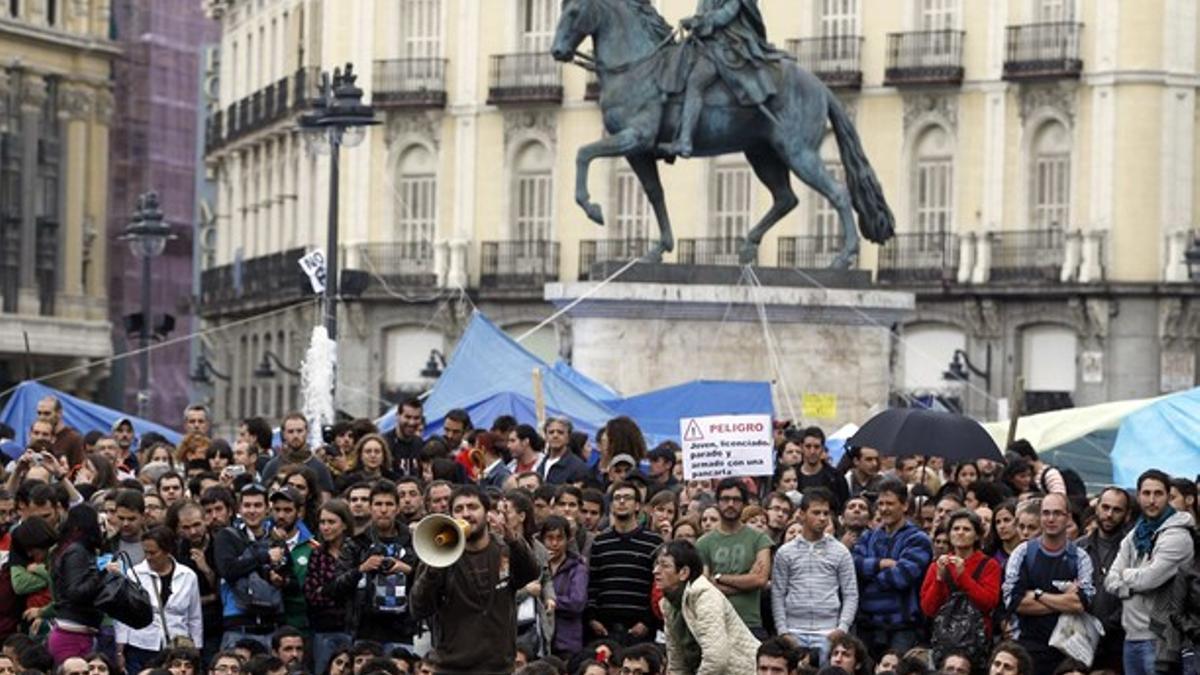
x=720, y=446
x=313, y=265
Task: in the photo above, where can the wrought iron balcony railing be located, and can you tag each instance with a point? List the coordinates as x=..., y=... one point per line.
x=709, y=251
x=592, y=251
x=808, y=252
x=399, y=264
x=1027, y=255
x=1043, y=51
x=409, y=83
x=919, y=258
x=836, y=60
x=524, y=78
x=519, y=265
x=924, y=57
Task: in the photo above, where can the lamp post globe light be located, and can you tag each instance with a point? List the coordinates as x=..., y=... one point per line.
x=147, y=235
x=338, y=118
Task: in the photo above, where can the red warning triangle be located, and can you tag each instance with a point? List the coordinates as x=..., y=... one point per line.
x=693, y=433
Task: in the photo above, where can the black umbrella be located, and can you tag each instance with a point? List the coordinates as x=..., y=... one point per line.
x=914, y=431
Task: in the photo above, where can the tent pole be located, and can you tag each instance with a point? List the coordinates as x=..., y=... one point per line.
x=539, y=399
x=1014, y=414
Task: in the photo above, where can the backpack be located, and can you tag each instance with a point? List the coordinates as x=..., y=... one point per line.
x=958, y=625
x=1071, y=478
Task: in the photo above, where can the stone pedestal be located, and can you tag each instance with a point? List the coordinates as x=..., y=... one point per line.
x=660, y=325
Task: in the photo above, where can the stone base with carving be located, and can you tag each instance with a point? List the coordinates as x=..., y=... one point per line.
x=639, y=333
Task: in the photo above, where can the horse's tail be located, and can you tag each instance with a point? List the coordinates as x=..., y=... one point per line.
x=875, y=219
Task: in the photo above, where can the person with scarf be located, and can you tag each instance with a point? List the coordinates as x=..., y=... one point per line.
x=1157, y=548
x=705, y=634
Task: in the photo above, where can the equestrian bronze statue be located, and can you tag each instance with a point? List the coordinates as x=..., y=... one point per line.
x=722, y=89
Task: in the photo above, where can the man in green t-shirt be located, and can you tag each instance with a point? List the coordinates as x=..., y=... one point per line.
x=737, y=559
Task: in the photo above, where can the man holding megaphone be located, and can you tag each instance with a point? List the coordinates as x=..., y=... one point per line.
x=468, y=586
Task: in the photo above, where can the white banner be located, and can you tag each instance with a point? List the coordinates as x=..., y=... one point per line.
x=313, y=265
x=720, y=446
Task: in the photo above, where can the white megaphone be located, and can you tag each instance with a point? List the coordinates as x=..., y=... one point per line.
x=439, y=540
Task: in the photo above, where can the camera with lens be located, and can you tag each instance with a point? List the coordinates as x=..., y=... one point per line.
x=327, y=434
x=388, y=563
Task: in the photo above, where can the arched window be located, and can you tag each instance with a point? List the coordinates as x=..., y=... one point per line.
x=416, y=196
x=927, y=349
x=1050, y=174
x=405, y=351
x=533, y=193
x=1048, y=357
x=933, y=187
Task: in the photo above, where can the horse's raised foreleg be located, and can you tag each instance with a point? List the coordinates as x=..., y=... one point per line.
x=774, y=173
x=623, y=143
x=809, y=167
x=646, y=169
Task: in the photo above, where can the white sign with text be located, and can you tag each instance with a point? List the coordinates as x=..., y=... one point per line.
x=313, y=265
x=720, y=446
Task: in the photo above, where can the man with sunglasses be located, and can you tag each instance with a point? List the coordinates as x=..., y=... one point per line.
x=814, y=471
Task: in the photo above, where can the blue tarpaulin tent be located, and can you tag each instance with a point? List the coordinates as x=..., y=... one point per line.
x=487, y=362
x=84, y=416
x=658, y=412
x=597, y=390
x=490, y=374
x=1164, y=435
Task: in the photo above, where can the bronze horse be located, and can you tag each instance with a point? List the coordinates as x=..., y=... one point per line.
x=632, y=45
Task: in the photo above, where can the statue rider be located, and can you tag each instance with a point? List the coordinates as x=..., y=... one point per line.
x=728, y=40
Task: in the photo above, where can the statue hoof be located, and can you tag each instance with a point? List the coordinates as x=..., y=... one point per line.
x=748, y=253
x=594, y=213
x=678, y=149
x=844, y=260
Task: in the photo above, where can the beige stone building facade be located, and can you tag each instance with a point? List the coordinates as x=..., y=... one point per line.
x=1040, y=157
x=55, y=110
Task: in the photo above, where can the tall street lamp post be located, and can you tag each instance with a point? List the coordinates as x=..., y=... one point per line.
x=147, y=235
x=339, y=118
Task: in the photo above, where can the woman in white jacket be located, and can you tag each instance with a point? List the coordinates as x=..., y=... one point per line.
x=175, y=597
x=705, y=635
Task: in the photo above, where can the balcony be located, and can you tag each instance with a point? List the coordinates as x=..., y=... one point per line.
x=592, y=251
x=409, y=83
x=277, y=101
x=591, y=91
x=924, y=58
x=266, y=281
x=399, y=265
x=518, y=265
x=709, y=251
x=914, y=258
x=524, y=78
x=808, y=252
x=1042, y=51
x=1027, y=255
x=836, y=60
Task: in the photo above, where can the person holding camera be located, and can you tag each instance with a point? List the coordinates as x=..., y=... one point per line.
x=377, y=569
x=245, y=557
x=288, y=531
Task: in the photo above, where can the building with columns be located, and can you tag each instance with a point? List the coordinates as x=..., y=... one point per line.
x=1039, y=156
x=56, y=109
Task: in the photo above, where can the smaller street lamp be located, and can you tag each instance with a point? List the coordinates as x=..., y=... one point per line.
x=435, y=364
x=961, y=369
x=264, y=369
x=147, y=235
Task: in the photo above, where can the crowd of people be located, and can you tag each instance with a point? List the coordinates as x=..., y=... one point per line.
x=581, y=554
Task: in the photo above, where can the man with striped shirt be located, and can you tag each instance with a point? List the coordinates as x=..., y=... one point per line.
x=622, y=573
